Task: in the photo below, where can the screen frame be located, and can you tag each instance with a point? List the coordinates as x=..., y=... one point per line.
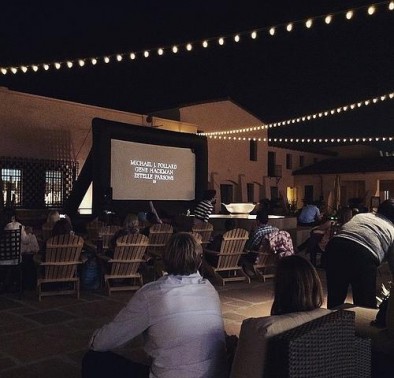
x=104, y=131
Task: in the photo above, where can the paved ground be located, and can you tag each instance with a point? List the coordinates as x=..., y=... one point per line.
x=48, y=338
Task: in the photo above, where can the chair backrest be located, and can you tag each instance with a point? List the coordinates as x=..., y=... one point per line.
x=159, y=234
x=324, y=347
x=232, y=247
x=93, y=228
x=62, y=255
x=106, y=233
x=10, y=247
x=305, y=344
x=46, y=230
x=205, y=230
x=128, y=254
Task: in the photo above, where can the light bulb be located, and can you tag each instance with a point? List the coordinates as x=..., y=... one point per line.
x=272, y=31
x=328, y=19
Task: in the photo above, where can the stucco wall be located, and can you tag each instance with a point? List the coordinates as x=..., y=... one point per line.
x=229, y=160
x=46, y=128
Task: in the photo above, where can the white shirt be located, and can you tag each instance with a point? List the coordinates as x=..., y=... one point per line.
x=181, y=320
x=29, y=243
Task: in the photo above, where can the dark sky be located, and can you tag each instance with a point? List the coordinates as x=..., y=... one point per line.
x=276, y=78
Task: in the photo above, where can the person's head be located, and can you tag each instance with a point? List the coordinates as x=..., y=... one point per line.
x=230, y=224
x=61, y=227
x=345, y=215
x=209, y=195
x=182, y=255
x=297, y=286
x=386, y=208
x=262, y=217
x=53, y=216
x=307, y=201
x=131, y=222
x=151, y=217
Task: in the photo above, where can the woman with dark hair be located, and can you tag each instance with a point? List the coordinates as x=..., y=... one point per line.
x=354, y=254
x=297, y=286
x=180, y=318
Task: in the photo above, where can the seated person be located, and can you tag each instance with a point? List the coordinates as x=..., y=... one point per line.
x=319, y=237
x=183, y=329
x=62, y=227
x=216, y=242
x=298, y=296
x=310, y=214
x=29, y=243
x=151, y=219
x=256, y=237
x=130, y=226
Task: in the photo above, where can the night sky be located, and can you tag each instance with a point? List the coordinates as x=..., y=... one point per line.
x=275, y=78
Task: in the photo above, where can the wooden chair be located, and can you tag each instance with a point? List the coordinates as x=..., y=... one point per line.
x=93, y=228
x=106, y=233
x=205, y=229
x=10, y=256
x=128, y=257
x=46, y=231
x=62, y=256
x=227, y=267
x=159, y=234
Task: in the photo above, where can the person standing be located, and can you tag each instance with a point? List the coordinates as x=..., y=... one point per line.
x=205, y=208
x=354, y=254
x=180, y=318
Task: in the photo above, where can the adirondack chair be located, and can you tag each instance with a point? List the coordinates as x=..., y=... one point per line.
x=10, y=256
x=273, y=247
x=128, y=257
x=205, y=230
x=62, y=256
x=93, y=228
x=227, y=268
x=159, y=234
x=106, y=233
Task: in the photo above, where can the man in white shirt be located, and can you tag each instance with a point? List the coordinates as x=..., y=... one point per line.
x=180, y=318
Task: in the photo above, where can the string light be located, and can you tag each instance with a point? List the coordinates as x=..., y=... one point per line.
x=306, y=139
x=309, y=117
x=289, y=26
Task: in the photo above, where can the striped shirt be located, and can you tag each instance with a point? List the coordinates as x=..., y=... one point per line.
x=203, y=210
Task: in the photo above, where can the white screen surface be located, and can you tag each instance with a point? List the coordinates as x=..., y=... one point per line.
x=151, y=172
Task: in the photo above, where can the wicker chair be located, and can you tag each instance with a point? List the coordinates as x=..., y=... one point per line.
x=128, y=257
x=324, y=347
x=62, y=257
x=227, y=268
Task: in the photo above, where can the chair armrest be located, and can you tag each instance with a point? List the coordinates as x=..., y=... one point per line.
x=60, y=263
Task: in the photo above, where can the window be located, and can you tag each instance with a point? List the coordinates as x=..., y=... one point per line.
x=53, y=188
x=253, y=150
x=271, y=163
x=302, y=160
x=227, y=193
x=289, y=161
x=12, y=186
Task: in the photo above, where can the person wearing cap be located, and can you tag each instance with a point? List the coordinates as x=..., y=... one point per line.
x=204, y=209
